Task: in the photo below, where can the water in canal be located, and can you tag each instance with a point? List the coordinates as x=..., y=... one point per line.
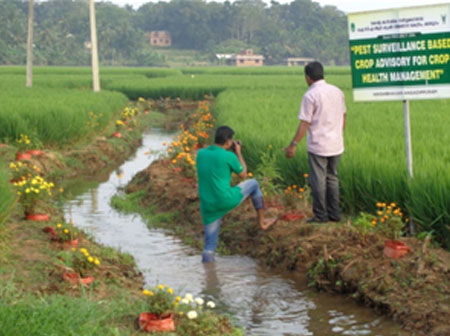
x=261, y=301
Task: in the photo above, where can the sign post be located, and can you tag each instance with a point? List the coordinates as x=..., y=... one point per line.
x=401, y=54
x=409, y=157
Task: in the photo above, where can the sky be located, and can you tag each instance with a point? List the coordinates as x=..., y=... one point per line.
x=347, y=6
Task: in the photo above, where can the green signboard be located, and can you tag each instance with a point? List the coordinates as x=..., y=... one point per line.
x=401, y=54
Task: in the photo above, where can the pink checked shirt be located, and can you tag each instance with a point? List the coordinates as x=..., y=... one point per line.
x=323, y=107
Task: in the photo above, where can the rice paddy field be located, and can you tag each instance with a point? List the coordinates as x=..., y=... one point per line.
x=262, y=106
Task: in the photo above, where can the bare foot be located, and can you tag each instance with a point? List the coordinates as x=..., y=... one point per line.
x=268, y=223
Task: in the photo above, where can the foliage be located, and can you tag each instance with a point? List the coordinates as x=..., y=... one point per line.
x=268, y=174
x=387, y=221
x=6, y=195
x=182, y=150
x=66, y=231
x=160, y=300
x=80, y=260
x=300, y=28
x=294, y=194
x=31, y=190
x=23, y=170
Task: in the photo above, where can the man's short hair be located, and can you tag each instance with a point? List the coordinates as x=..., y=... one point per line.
x=314, y=70
x=223, y=133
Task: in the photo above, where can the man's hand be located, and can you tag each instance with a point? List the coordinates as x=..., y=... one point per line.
x=290, y=151
x=237, y=147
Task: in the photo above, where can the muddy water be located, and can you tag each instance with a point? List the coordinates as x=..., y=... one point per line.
x=261, y=301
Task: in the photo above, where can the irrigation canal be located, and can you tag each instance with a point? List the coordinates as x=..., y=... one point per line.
x=259, y=300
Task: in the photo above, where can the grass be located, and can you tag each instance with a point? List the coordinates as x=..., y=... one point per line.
x=261, y=104
x=6, y=196
x=64, y=315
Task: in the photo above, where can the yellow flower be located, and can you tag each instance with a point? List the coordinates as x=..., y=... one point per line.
x=393, y=205
x=66, y=231
x=178, y=298
x=170, y=290
x=96, y=261
x=59, y=226
x=147, y=292
x=27, y=191
x=161, y=286
x=90, y=259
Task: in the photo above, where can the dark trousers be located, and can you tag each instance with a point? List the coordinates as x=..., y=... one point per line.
x=324, y=182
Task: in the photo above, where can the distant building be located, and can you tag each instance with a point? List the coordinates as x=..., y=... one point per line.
x=243, y=59
x=160, y=38
x=298, y=61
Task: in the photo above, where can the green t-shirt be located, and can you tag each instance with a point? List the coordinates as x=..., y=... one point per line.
x=217, y=196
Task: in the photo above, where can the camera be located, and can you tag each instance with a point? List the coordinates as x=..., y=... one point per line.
x=233, y=145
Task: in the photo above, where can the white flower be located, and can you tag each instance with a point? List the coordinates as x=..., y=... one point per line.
x=192, y=315
x=199, y=301
x=185, y=301
x=189, y=297
x=211, y=304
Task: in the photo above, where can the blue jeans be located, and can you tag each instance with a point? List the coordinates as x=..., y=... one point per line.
x=248, y=188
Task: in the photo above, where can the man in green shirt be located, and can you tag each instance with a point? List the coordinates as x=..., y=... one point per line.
x=217, y=197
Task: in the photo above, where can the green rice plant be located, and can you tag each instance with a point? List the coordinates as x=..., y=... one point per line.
x=7, y=197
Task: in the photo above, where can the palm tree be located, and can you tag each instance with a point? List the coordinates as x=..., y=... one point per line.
x=94, y=50
x=30, y=44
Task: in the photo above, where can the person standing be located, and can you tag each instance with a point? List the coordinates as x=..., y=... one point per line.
x=322, y=117
x=217, y=197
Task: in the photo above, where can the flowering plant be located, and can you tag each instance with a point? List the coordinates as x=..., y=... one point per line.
x=23, y=143
x=66, y=232
x=31, y=190
x=387, y=221
x=81, y=261
x=161, y=300
x=22, y=170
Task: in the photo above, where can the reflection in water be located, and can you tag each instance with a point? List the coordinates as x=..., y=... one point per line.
x=262, y=302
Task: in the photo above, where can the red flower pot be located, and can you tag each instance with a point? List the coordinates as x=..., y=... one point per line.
x=38, y=217
x=117, y=135
x=187, y=180
x=35, y=152
x=75, y=278
x=22, y=156
x=292, y=216
x=49, y=229
x=71, y=243
x=395, y=249
x=151, y=322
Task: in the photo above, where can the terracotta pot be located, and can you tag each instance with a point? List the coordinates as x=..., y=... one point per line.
x=20, y=156
x=75, y=278
x=38, y=217
x=199, y=146
x=292, y=216
x=395, y=249
x=35, y=152
x=71, y=243
x=187, y=180
x=49, y=229
x=150, y=322
x=117, y=135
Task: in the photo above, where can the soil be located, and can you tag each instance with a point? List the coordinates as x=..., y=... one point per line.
x=414, y=290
